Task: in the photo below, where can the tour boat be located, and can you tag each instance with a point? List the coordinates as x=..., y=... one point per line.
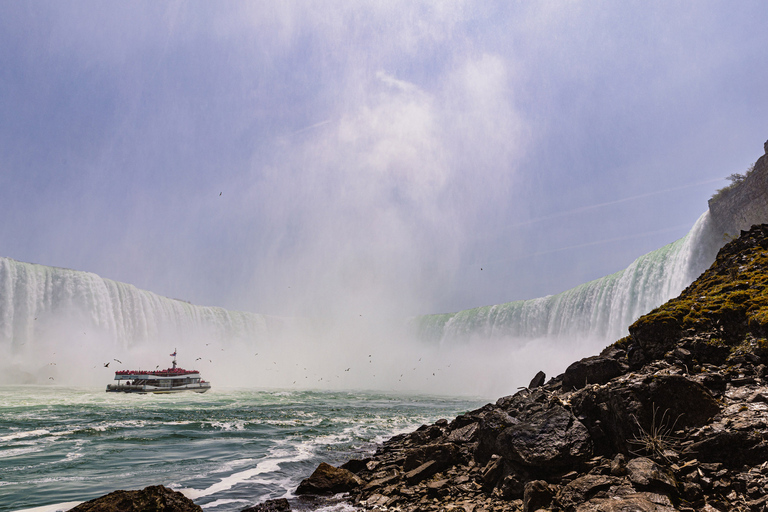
x=170, y=380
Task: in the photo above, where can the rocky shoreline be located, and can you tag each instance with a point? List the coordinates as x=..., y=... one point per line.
x=672, y=417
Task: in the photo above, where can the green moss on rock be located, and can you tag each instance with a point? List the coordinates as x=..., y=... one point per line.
x=729, y=301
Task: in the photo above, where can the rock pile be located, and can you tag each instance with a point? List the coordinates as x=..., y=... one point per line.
x=672, y=417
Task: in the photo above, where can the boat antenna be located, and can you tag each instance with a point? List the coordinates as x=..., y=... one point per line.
x=174, y=358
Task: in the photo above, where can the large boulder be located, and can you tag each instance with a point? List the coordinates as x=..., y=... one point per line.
x=620, y=414
x=549, y=438
x=156, y=498
x=590, y=370
x=327, y=479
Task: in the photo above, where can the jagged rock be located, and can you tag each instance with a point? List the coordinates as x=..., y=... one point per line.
x=327, y=479
x=590, y=370
x=634, y=405
x=549, y=438
x=491, y=425
x=538, y=380
x=583, y=488
x=646, y=473
x=537, y=495
x=156, y=498
x=443, y=455
x=420, y=473
x=619, y=465
x=640, y=502
x=278, y=505
x=465, y=434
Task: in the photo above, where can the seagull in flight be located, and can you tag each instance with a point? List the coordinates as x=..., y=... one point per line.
x=119, y=361
x=106, y=365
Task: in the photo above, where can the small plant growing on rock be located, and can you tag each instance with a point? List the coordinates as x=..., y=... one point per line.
x=735, y=179
x=658, y=439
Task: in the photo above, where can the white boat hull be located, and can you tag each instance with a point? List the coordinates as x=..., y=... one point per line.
x=121, y=388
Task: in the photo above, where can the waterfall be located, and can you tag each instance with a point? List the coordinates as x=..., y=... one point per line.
x=601, y=309
x=38, y=302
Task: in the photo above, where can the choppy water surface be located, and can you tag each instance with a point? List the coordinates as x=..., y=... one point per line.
x=224, y=449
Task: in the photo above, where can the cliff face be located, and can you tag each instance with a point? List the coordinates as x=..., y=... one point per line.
x=746, y=204
x=672, y=417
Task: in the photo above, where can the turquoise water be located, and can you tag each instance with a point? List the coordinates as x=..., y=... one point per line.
x=225, y=449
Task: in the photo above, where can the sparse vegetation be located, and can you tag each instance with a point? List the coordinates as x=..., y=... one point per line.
x=735, y=180
x=656, y=440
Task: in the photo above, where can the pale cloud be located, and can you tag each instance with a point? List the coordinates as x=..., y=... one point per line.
x=384, y=195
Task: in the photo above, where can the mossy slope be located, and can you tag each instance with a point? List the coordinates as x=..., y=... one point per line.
x=727, y=306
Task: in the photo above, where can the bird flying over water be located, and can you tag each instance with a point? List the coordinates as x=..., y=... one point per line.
x=119, y=361
x=106, y=365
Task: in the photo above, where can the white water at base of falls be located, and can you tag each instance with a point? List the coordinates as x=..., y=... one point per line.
x=600, y=310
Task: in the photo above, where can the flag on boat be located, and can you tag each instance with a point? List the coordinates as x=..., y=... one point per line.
x=174, y=354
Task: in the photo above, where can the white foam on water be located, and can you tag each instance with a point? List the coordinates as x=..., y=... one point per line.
x=25, y=434
x=227, y=483
x=220, y=502
x=56, y=507
x=15, y=452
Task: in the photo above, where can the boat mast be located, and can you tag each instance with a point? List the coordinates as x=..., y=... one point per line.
x=174, y=358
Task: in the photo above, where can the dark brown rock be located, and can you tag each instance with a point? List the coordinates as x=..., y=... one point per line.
x=443, y=455
x=278, y=505
x=537, y=495
x=590, y=370
x=645, y=473
x=633, y=406
x=420, y=473
x=327, y=479
x=550, y=438
x=640, y=502
x=156, y=498
x=465, y=434
x=582, y=489
x=538, y=380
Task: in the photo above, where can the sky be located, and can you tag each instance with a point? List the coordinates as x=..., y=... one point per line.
x=398, y=157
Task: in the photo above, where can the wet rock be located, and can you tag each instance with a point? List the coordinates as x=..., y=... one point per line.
x=465, y=434
x=327, y=479
x=537, y=495
x=443, y=455
x=420, y=473
x=590, y=370
x=550, y=438
x=489, y=428
x=645, y=473
x=634, y=405
x=278, y=505
x=583, y=488
x=156, y=498
x=640, y=502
